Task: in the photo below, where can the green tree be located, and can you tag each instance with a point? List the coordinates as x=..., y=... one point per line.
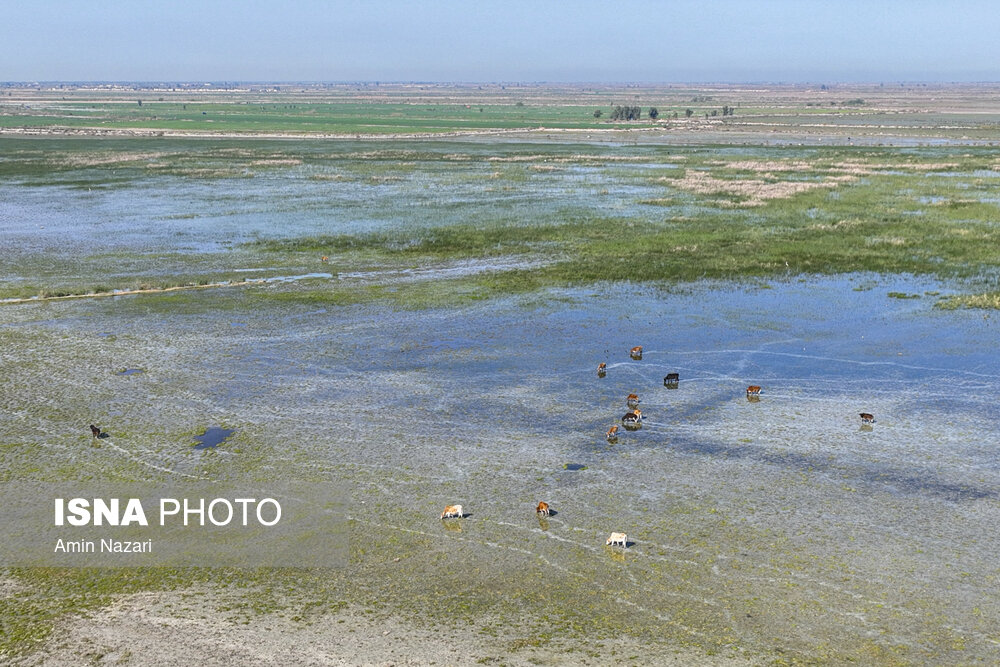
x=626, y=113
x=598, y=113
x=653, y=113
x=688, y=113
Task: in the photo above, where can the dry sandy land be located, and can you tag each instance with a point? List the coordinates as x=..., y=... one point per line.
x=188, y=628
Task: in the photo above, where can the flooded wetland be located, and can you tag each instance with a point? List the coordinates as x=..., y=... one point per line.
x=421, y=321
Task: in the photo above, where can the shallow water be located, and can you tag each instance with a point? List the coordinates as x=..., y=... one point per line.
x=213, y=437
x=339, y=189
x=779, y=501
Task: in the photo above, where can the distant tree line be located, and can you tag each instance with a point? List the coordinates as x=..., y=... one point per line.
x=626, y=113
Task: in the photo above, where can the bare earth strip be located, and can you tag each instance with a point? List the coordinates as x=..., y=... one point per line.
x=185, y=628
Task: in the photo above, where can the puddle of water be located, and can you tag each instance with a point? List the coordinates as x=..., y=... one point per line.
x=213, y=437
x=291, y=279
x=978, y=173
x=453, y=270
x=574, y=466
x=131, y=371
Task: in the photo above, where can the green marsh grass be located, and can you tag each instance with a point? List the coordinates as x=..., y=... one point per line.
x=983, y=301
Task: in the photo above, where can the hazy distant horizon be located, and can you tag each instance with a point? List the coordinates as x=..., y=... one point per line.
x=609, y=84
x=586, y=41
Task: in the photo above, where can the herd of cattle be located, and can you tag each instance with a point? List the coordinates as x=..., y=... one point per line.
x=632, y=421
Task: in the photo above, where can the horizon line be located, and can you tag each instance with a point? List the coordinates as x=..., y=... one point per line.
x=512, y=82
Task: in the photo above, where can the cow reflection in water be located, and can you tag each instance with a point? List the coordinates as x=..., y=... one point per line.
x=452, y=526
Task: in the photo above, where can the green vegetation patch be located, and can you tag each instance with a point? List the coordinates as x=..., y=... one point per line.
x=984, y=301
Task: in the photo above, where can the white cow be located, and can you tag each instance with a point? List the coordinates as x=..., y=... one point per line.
x=618, y=538
x=452, y=510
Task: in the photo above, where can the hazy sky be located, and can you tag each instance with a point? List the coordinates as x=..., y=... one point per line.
x=511, y=40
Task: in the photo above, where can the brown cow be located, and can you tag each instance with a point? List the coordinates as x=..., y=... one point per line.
x=632, y=418
x=543, y=508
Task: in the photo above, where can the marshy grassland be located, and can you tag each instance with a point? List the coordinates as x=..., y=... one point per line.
x=418, y=316
x=553, y=214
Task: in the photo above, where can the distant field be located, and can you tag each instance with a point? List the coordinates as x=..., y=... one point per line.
x=337, y=118
x=863, y=113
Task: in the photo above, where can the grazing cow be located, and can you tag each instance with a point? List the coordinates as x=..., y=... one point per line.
x=867, y=418
x=753, y=390
x=612, y=434
x=543, y=508
x=324, y=258
x=95, y=431
x=632, y=401
x=452, y=510
x=618, y=538
x=632, y=420
x=636, y=352
x=602, y=369
x=671, y=379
